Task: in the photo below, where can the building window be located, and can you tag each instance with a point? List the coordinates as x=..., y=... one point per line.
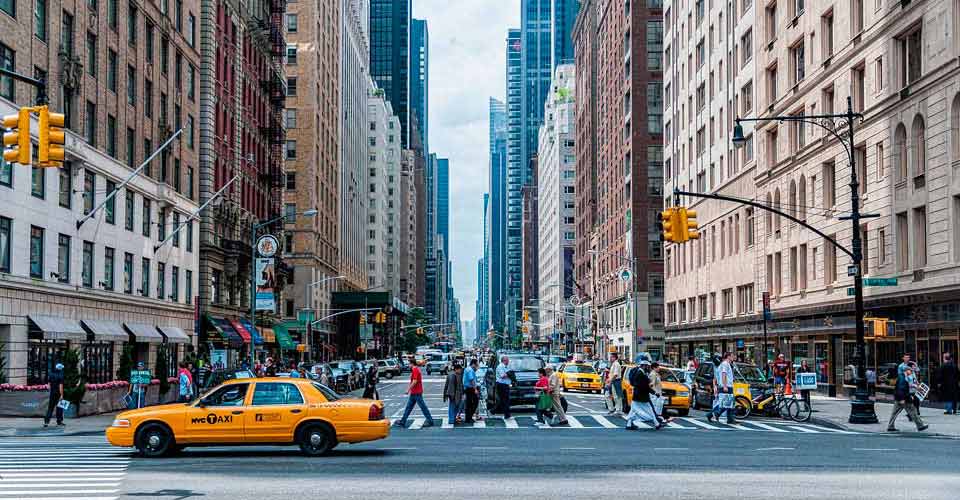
x=829, y=261
x=131, y=85
x=654, y=44
x=144, y=276
x=91, y=124
x=859, y=87
x=920, y=237
x=145, y=225
x=188, y=286
x=9, y=6
x=175, y=284
x=772, y=84
x=291, y=118
x=746, y=47
x=882, y=244
x=148, y=98
x=191, y=29
x=161, y=283
x=87, y=271
x=132, y=23
x=65, y=174
x=291, y=150
x=112, y=14
x=291, y=23
x=190, y=182
x=128, y=273
x=291, y=87
x=191, y=81
x=5, y=230
x=36, y=252
x=919, y=144
x=292, y=53
x=189, y=235
x=175, y=228
x=38, y=181
x=771, y=22
x=797, y=59
x=92, y=54
x=826, y=34
x=63, y=258
x=856, y=17
x=291, y=180
x=108, y=267
x=190, y=134
x=148, y=40
x=162, y=224
x=829, y=185
x=655, y=108
x=7, y=61
x=112, y=136
x=216, y=278
x=39, y=18
x=110, y=212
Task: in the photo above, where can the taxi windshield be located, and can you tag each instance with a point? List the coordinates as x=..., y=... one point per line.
x=327, y=392
x=750, y=373
x=667, y=375
x=579, y=369
x=525, y=364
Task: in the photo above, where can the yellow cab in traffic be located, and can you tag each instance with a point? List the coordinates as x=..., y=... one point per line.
x=579, y=377
x=675, y=393
x=269, y=411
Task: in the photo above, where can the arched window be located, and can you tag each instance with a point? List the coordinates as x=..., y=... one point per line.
x=776, y=205
x=900, y=142
x=955, y=128
x=919, y=146
x=792, y=208
x=802, y=199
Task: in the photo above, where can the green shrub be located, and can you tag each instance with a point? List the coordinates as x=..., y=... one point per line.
x=74, y=385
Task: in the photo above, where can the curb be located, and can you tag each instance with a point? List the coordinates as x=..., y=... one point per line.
x=46, y=433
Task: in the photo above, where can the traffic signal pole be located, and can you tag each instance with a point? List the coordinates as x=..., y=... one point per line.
x=39, y=83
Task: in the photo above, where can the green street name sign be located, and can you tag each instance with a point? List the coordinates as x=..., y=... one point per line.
x=879, y=281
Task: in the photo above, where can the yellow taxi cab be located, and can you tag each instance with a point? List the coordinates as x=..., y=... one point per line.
x=270, y=411
x=675, y=393
x=579, y=376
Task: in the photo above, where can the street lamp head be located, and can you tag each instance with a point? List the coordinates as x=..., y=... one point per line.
x=311, y=213
x=738, y=139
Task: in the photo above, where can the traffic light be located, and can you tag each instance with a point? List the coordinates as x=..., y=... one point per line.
x=688, y=224
x=668, y=225
x=16, y=142
x=363, y=319
x=420, y=331
x=526, y=315
x=51, y=152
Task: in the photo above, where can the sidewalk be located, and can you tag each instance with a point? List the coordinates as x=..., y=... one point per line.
x=83, y=426
x=836, y=411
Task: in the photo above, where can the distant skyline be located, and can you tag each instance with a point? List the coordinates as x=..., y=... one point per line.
x=466, y=68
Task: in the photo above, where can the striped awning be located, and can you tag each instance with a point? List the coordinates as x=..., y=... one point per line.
x=269, y=336
x=226, y=332
x=57, y=328
x=143, y=332
x=257, y=338
x=107, y=331
x=174, y=335
x=283, y=338
x=244, y=334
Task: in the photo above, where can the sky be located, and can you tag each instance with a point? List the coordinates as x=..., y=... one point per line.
x=467, y=66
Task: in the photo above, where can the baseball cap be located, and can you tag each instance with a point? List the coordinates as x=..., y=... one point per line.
x=59, y=366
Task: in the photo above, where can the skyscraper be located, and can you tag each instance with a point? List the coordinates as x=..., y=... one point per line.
x=483, y=283
x=420, y=78
x=495, y=230
x=443, y=202
x=390, y=56
x=514, y=178
x=432, y=253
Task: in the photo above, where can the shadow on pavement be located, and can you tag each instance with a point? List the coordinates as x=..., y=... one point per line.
x=240, y=453
x=174, y=494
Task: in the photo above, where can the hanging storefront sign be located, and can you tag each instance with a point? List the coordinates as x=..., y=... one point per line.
x=266, y=282
x=267, y=245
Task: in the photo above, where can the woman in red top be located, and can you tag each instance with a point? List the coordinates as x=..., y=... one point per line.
x=543, y=387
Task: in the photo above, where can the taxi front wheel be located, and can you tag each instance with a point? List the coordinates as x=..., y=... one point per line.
x=316, y=440
x=155, y=440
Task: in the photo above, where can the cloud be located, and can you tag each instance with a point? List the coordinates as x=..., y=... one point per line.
x=467, y=66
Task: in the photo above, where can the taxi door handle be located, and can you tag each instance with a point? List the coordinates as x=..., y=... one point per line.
x=237, y=412
x=295, y=411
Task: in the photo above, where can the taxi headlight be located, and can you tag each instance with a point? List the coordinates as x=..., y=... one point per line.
x=120, y=422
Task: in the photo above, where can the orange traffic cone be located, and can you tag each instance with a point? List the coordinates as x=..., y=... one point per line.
x=788, y=391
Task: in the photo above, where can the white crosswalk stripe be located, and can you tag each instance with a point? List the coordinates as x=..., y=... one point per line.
x=50, y=468
x=601, y=422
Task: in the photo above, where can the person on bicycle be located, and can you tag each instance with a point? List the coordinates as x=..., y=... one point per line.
x=781, y=369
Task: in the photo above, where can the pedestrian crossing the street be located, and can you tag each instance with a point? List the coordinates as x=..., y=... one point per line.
x=606, y=422
x=48, y=469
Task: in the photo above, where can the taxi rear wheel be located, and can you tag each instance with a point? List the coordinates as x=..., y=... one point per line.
x=316, y=440
x=155, y=440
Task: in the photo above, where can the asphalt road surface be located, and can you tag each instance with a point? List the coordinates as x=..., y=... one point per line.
x=759, y=459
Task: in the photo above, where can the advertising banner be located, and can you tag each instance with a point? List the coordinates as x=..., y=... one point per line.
x=266, y=281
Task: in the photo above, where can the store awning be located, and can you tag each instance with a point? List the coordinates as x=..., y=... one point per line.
x=268, y=336
x=244, y=334
x=226, y=332
x=143, y=332
x=174, y=335
x=257, y=338
x=106, y=331
x=283, y=337
x=57, y=328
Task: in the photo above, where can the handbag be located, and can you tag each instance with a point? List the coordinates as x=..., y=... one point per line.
x=545, y=402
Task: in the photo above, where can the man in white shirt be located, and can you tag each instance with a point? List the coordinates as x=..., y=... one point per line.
x=503, y=387
x=723, y=390
x=615, y=383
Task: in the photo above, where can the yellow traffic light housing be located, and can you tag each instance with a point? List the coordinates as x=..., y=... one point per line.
x=420, y=331
x=688, y=224
x=52, y=138
x=526, y=315
x=363, y=319
x=16, y=142
x=668, y=224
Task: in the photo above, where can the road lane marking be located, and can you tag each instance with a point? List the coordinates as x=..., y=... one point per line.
x=577, y=448
x=29, y=493
x=447, y=424
x=489, y=447
x=827, y=429
x=704, y=425
x=675, y=425
x=398, y=448
x=874, y=449
x=803, y=429
x=671, y=449
x=480, y=424
x=574, y=423
x=604, y=422
x=511, y=423
x=742, y=428
x=775, y=448
x=767, y=427
x=54, y=484
x=417, y=424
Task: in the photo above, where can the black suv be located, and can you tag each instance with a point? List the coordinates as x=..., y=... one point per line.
x=524, y=368
x=742, y=373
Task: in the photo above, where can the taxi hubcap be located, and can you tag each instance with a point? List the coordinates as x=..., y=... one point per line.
x=154, y=441
x=316, y=439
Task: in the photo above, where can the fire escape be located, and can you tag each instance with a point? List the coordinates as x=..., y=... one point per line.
x=275, y=86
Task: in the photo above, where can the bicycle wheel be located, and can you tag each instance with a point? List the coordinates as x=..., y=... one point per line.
x=742, y=407
x=800, y=410
x=784, y=408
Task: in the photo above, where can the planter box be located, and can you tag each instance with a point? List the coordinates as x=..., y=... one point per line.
x=34, y=403
x=24, y=403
